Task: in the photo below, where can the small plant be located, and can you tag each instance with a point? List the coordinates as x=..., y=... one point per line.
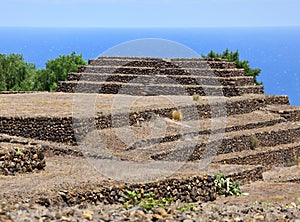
x=262, y=203
x=254, y=142
x=146, y=201
x=298, y=199
x=132, y=198
x=196, y=97
x=187, y=207
x=256, y=202
x=176, y=115
x=226, y=187
x=19, y=151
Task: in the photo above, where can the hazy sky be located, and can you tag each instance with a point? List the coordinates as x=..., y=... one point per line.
x=149, y=13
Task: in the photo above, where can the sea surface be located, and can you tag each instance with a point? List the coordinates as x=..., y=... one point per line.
x=275, y=50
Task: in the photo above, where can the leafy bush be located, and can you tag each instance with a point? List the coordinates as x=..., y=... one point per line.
x=225, y=186
x=234, y=57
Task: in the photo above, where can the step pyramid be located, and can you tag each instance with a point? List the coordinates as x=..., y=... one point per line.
x=133, y=99
x=155, y=76
x=138, y=76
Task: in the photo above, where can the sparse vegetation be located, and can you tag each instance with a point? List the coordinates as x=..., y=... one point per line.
x=146, y=201
x=224, y=187
x=187, y=207
x=262, y=203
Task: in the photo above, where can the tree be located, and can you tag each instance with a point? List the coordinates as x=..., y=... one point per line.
x=57, y=70
x=15, y=73
x=234, y=57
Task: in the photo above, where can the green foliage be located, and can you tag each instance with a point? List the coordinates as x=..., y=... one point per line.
x=226, y=187
x=146, y=201
x=57, y=70
x=234, y=57
x=17, y=75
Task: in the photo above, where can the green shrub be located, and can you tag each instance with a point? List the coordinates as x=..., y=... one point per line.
x=225, y=186
x=234, y=57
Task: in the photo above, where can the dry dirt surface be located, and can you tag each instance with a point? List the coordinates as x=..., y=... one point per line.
x=38, y=196
x=34, y=197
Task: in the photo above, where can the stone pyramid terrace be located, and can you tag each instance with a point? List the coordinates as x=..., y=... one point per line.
x=144, y=76
x=124, y=105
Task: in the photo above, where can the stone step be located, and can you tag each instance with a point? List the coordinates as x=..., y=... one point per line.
x=51, y=116
x=51, y=148
x=222, y=143
x=291, y=113
x=280, y=155
x=162, y=79
x=72, y=181
x=162, y=71
x=137, y=58
x=288, y=174
x=152, y=62
x=245, y=173
x=155, y=89
x=161, y=130
x=207, y=107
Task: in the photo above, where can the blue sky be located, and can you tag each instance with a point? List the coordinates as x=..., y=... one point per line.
x=149, y=13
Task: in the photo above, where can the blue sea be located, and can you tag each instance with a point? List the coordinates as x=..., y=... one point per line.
x=275, y=50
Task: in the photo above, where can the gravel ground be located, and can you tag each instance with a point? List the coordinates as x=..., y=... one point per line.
x=200, y=212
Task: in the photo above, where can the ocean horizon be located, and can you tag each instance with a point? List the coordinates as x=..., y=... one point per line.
x=274, y=50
